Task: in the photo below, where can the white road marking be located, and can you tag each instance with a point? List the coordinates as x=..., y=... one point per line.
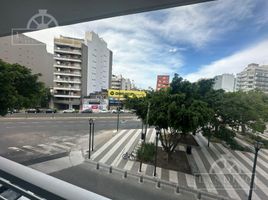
x=116, y=146
x=173, y=176
x=247, y=172
x=28, y=147
x=204, y=174
x=69, y=143
x=158, y=172
x=221, y=177
x=190, y=181
x=152, y=138
x=107, y=144
x=15, y=148
x=129, y=165
x=119, y=158
x=243, y=185
x=48, y=148
x=61, y=146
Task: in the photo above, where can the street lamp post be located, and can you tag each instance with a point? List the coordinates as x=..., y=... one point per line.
x=89, y=139
x=257, y=147
x=93, y=131
x=156, y=146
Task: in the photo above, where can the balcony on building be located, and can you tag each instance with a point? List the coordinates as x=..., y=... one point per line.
x=67, y=72
x=67, y=58
x=67, y=50
x=66, y=80
x=67, y=94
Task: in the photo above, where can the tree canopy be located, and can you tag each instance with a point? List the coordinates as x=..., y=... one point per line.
x=186, y=107
x=19, y=88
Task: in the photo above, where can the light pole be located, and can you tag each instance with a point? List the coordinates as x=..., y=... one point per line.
x=118, y=107
x=51, y=98
x=257, y=147
x=156, y=146
x=90, y=121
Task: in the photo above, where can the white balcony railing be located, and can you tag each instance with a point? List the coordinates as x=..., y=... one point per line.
x=68, y=73
x=67, y=80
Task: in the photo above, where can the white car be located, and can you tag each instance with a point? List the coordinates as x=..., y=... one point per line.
x=69, y=111
x=103, y=111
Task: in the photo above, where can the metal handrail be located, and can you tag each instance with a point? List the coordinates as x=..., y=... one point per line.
x=50, y=184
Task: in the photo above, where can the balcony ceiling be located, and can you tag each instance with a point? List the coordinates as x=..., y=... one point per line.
x=15, y=14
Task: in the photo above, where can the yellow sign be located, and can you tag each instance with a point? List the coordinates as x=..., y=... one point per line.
x=130, y=93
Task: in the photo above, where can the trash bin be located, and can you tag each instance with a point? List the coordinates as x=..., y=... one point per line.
x=143, y=136
x=189, y=150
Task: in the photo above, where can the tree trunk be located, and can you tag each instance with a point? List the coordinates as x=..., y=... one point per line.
x=169, y=155
x=243, y=127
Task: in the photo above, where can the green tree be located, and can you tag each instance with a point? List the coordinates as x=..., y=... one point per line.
x=177, y=111
x=18, y=87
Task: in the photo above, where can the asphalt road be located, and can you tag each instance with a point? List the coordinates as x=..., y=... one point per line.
x=18, y=133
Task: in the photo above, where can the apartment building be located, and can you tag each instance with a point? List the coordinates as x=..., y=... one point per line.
x=67, y=74
x=162, y=82
x=225, y=82
x=97, y=63
x=121, y=83
x=78, y=68
x=254, y=76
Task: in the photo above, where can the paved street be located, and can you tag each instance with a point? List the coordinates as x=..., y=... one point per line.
x=222, y=171
x=58, y=145
x=116, y=187
x=41, y=137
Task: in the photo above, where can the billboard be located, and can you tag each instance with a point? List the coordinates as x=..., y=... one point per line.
x=95, y=104
x=119, y=94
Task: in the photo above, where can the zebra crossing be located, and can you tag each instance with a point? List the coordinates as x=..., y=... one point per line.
x=222, y=171
x=31, y=154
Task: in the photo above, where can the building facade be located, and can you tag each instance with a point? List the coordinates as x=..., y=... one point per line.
x=97, y=64
x=67, y=72
x=225, y=82
x=162, y=82
x=121, y=83
x=30, y=53
x=78, y=68
x=254, y=76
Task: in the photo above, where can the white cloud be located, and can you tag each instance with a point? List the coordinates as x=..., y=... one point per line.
x=233, y=64
x=152, y=43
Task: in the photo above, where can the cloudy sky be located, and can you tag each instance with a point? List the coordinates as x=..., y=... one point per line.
x=196, y=41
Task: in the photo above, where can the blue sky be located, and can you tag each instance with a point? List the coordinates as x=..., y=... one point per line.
x=196, y=41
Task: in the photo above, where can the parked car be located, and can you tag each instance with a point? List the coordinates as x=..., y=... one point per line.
x=115, y=111
x=31, y=110
x=50, y=110
x=104, y=111
x=87, y=111
x=69, y=110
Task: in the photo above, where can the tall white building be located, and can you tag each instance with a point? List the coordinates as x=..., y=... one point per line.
x=225, y=82
x=97, y=61
x=254, y=76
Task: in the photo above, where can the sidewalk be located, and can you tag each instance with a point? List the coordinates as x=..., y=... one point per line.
x=223, y=172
